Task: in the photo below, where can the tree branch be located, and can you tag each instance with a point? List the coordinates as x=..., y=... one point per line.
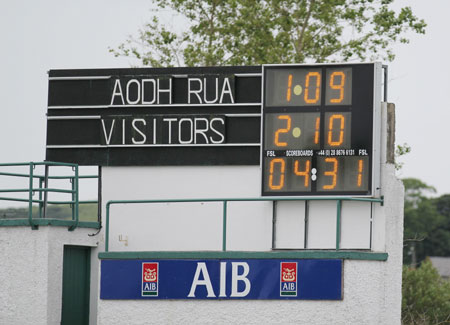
x=299, y=46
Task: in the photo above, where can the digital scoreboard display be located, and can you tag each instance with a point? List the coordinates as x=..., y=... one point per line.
x=318, y=129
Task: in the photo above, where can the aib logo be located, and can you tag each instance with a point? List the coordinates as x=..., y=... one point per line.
x=150, y=279
x=288, y=279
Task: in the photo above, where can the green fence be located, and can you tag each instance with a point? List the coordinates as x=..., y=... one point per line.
x=42, y=195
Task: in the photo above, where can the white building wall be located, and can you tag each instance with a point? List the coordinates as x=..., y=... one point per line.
x=23, y=276
x=372, y=289
x=31, y=273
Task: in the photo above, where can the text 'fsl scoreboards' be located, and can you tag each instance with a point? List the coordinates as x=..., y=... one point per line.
x=318, y=124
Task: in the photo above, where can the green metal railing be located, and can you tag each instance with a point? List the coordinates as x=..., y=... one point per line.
x=338, y=200
x=43, y=190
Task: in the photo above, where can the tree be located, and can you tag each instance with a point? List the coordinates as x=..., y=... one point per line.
x=425, y=296
x=247, y=32
x=427, y=222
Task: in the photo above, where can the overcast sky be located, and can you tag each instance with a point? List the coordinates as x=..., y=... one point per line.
x=37, y=36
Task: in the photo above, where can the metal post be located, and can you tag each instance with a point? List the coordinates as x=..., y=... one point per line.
x=30, y=199
x=76, y=203
x=41, y=205
x=306, y=224
x=72, y=205
x=107, y=227
x=274, y=223
x=99, y=199
x=44, y=213
x=338, y=224
x=385, y=97
x=224, y=227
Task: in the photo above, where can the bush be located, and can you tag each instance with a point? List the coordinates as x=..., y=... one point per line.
x=425, y=296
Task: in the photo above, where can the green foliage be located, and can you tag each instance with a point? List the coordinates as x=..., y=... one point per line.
x=425, y=296
x=87, y=212
x=427, y=222
x=247, y=32
x=400, y=151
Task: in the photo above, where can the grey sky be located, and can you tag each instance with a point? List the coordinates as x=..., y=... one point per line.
x=40, y=35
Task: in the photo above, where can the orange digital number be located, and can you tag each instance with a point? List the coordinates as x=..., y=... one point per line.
x=304, y=172
x=285, y=130
x=280, y=184
x=339, y=86
x=332, y=173
x=360, y=169
x=316, y=133
x=341, y=129
x=317, y=92
x=289, y=89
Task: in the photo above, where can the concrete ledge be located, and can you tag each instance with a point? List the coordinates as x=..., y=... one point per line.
x=310, y=254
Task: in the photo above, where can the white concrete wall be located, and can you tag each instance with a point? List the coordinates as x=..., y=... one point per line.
x=31, y=273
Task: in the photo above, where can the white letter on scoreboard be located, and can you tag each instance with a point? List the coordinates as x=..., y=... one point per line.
x=235, y=278
x=119, y=93
x=226, y=84
x=168, y=90
x=190, y=129
x=218, y=119
x=138, y=92
x=108, y=137
x=196, y=92
x=170, y=120
x=144, y=137
x=153, y=82
x=201, y=268
x=198, y=130
x=217, y=92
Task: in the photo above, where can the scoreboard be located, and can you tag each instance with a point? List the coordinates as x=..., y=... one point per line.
x=312, y=129
x=318, y=129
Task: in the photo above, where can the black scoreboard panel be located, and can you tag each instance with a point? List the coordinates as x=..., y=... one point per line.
x=155, y=116
x=318, y=126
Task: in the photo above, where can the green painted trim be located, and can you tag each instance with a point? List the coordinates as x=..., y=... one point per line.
x=50, y=163
x=224, y=227
x=338, y=224
x=310, y=254
x=30, y=197
x=48, y=222
x=49, y=177
x=107, y=227
x=76, y=197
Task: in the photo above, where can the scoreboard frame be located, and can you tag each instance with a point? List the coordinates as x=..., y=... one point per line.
x=212, y=116
x=291, y=112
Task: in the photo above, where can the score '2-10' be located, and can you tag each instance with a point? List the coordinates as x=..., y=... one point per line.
x=336, y=128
